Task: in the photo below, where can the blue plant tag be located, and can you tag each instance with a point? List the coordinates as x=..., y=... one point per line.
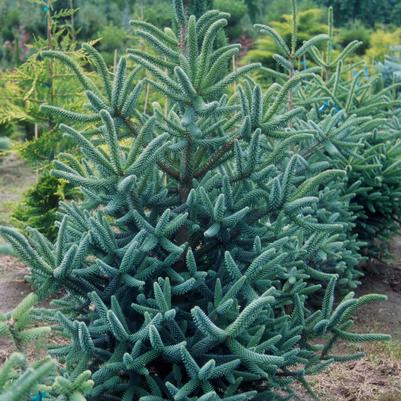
x=304, y=63
x=39, y=397
x=324, y=106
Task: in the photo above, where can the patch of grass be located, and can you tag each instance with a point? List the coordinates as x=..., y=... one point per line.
x=388, y=350
x=6, y=209
x=377, y=351
x=15, y=179
x=390, y=396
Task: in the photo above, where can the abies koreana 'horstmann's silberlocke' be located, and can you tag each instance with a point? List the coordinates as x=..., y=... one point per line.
x=186, y=269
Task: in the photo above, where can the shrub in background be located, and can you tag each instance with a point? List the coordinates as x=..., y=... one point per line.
x=390, y=68
x=112, y=39
x=371, y=12
x=237, y=10
x=37, y=141
x=381, y=43
x=310, y=23
x=355, y=31
x=40, y=204
x=272, y=10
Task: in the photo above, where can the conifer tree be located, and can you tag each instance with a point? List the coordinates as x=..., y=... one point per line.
x=21, y=382
x=364, y=140
x=347, y=115
x=189, y=267
x=17, y=382
x=17, y=326
x=296, y=77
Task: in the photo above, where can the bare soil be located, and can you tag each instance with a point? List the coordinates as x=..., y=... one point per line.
x=15, y=178
x=376, y=377
x=13, y=288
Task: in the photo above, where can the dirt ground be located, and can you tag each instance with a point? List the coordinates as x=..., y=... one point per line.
x=377, y=377
x=13, y=288
x=15, y=178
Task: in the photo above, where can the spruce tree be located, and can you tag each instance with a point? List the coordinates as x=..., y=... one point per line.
x=188, y=269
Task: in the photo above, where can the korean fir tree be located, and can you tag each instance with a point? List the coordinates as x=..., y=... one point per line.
x=18, y=382
x=363, y=139
x=17, y=326
x=296, y=75
x=187, y=268
x=349, y=118
x=336, y=248
x=22, y=381
x=356, y=130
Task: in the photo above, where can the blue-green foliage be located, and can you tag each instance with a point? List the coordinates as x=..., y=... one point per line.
x=20, y=381
x=390, y=68
x=354, y=126
x=190, y=267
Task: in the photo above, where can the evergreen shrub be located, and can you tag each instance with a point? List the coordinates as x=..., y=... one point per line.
x=354, y=123
x=39, y=206
x=203, y=262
